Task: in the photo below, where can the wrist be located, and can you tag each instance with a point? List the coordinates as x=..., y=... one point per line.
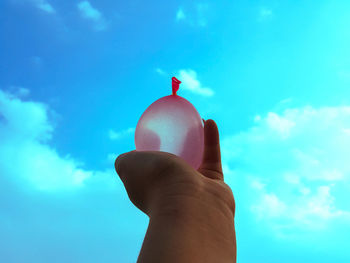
x=192, y=232
x=194, y=222
x=190, y=201
x=206, y=219
x=216, y=218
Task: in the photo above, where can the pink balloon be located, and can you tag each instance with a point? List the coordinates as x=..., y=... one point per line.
x=172, y=124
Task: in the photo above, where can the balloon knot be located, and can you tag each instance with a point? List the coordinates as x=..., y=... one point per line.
x=176, y=85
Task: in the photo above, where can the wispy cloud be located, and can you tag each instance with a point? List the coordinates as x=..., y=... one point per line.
x=160, y=71
x=193, y=15
x=191, y=83
x=296, y=163
x=23, y=92
x=180, y=14
x=111, y=157
x=19, y=91
x=202, y=13
x=37, y=61
x=264, y=14
x=310, y=208
x=116, y=135
x=44, y=6
x=89, y=12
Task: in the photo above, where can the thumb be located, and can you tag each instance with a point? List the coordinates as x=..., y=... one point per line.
x=142, y=173
x=211, y=162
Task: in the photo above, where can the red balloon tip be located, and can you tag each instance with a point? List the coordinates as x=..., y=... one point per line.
x=176, y=85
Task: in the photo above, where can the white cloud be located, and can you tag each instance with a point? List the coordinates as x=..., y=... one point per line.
x=23, y=92
x=180, y=15
x=269, y=205
x=44, y=6
x=44, y=195
x=299, y=162
x=265, y=13
x=257, y=184
x=89, y=12
x=281, y=126
x=19, y=91
x=160, y=71
x=114, y=135
x=111, y=157
x=308, y=210
x=190, y=82
x=257, y=118
x=202, y=12
x=195, y=15
x=25, y=155
x=37, y=61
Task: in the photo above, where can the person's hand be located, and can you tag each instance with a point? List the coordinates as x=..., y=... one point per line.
x=153, y=178
x=199, y=203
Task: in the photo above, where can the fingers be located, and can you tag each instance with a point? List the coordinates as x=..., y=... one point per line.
x=140, y=162
x=136, y=170
x=211, y=162
x=122, y=163
x=143, y=171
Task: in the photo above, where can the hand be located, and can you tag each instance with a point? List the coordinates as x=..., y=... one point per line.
x=174, y=195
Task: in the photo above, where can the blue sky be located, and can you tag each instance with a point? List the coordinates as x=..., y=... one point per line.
x=75, y=76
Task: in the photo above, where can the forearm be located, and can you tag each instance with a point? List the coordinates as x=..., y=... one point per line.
x=190, y=236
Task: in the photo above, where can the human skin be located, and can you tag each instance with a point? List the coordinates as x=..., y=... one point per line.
x=191, y=212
